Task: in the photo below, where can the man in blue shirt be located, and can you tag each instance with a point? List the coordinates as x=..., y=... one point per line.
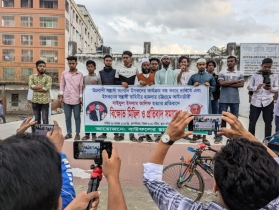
x=203, y=78
x=2, y=113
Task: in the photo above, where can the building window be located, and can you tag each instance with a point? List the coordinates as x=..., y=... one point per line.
x=74, y=30
x=49, y=56
x=8, y=54
x=53, y=73
x=26, y=55
x=77, y=18
x=8, y=39
x=15, y=100
x=8, y=74
x=8, y=20
x=49, y=4
x=26, y=21
x=66, y=6
x=85, y=30
x=49, y=40
x=27, y=40
x=7, y=3
x=67, y=25
x=77, y=35
x=85, y=45
x=49, y=22
x=27, y=3
x=25, y=73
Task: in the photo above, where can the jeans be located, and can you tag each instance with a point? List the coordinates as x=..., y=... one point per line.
x=68, y=109
x=234, y=108
x=276, y=123
x=267, y=117
x=214, y=106
x=41, y=110
x=3, y=118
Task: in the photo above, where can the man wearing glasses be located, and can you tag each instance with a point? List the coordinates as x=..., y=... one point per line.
x=166, y=76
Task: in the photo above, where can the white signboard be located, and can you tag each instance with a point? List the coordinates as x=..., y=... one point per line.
x=110, y=109
x=251, y=56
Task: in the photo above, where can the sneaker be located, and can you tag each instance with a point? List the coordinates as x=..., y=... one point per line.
x=116, y=137
x=94, y=137
x=86, y=137
x=102, y=136
x=133, y=139
x=77, y=137
x=218, y=140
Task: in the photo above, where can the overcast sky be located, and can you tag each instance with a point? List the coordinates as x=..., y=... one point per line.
x=183, y=26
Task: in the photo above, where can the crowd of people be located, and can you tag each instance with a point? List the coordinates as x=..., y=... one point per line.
x=223, y=89
x=35, y=173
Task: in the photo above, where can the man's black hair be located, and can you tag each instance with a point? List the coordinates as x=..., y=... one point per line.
x=183, y=57
x=127, y=53
x=40, y=62
x=107, y=56
x=232, y=57
x=246, y=174
x=30, y=173
x=154, y=59
x=72, y=58
x=91, y=62
x=267, y=60
x=211, y=61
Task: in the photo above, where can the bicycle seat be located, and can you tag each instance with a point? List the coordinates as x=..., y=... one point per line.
x=191, y=149
x=202, y=146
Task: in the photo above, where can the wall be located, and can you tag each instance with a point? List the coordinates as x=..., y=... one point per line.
x=23, y=106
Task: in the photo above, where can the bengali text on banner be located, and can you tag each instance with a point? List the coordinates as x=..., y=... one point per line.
x=110, y=109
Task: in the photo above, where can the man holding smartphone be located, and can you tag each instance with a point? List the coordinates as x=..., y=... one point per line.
x=264, y=85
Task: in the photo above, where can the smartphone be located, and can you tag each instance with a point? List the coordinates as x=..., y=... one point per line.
x=268, y=85
x=206, y=124
x=42, y=129
x=92, y=150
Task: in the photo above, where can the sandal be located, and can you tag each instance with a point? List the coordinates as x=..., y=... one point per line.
x=68, y=136
x=193, y=140
x=148, y=138
x=205, y=141
x=140, y=139
x=133, y=139
x=157, y=139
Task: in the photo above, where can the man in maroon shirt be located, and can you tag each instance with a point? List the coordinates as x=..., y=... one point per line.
x=71, y=95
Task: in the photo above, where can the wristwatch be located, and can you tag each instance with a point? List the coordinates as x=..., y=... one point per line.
x=166, y=139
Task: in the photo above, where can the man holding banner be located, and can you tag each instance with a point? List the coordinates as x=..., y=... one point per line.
x=202, y=78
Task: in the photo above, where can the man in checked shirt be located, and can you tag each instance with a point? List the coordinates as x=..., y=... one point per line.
x=246, y=173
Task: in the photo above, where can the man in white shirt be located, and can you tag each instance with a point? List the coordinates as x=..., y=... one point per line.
x=263, y=84
x=183, y=74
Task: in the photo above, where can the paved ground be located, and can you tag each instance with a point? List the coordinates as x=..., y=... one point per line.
x=132, y=155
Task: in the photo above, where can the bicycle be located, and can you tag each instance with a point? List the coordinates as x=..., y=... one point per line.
x=185, y=176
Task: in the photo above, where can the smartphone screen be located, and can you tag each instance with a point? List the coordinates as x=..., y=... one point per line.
x=43, y=129
x=91, y=150
x=88, y=150
x=206, y=124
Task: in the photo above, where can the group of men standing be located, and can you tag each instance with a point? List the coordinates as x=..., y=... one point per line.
x=223, y=88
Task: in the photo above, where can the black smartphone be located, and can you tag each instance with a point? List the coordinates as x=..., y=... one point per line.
x=206, y=124
x=92, y=150
x=268, y=84
x=42, y=129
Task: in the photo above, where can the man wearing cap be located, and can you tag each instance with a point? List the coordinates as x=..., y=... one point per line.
x=263, y=84
x=143, y=79
x=203, y=78
x=165, y=76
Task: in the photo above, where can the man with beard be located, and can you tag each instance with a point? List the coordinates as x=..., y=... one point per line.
x=202, y=78
x=107, y=76
x=125, y=76
x=166, y=76
x=154, y=65
x=40, y=84
x=71, y=95
x=143, y=79
x=263, y=84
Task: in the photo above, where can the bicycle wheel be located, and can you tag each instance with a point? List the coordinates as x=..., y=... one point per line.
x=190, y=185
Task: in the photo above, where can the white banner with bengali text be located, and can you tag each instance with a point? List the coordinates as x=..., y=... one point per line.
x=252, y=54
x=114, y=109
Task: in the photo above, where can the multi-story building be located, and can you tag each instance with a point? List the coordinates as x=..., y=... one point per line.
x=32, y=30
